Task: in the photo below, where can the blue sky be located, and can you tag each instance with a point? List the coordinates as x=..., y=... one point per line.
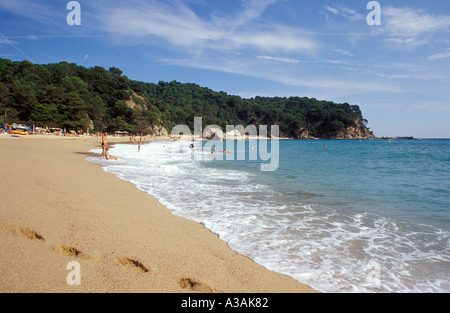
x=397, y=72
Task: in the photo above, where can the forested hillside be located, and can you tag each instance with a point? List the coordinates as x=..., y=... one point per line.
x=74, y=97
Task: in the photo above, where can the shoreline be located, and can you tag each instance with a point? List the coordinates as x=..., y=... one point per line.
x=123, y=238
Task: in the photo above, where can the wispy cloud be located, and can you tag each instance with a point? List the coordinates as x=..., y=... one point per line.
x=343, y=52
x=296, y=61
x=35, y=10
x=5, y=40
x=440, y=55
x=345, y=12
x=251, y=10
x=332, y=10
x=242, y=43
x=278, y=59
x=290, y=72
x=423, y=76
x=176, y=23
x=408, y=26
x=439, y=107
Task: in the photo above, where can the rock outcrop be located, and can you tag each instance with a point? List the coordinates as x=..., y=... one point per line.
x=304, y=134
x=359, y=131
x=160, y=131
x=212, y=133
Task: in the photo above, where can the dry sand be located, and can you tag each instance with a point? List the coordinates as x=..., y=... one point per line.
x=56, y=208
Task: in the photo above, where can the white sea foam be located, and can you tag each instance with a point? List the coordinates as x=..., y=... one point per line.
x=331, y=250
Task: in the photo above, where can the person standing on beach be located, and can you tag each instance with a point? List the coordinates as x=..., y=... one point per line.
x=104, y=145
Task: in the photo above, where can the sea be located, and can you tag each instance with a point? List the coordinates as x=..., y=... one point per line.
x=342, y=216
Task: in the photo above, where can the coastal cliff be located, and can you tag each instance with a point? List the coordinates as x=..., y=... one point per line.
x=357, y=131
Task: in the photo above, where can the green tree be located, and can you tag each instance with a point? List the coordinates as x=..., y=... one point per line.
x=4, y=95
x=74, y=83
x=74, y=109
x=114, y=71
x=45, y=114
x=119, y=124
x=97, y=109
x=23, y=97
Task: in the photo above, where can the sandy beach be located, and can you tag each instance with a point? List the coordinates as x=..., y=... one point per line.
x=56, y=207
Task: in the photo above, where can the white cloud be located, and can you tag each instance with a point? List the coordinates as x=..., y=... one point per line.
x=432, y=106
x=405, y=25
x=277, y=59
x=441, y=55
x=35, y=10
x=245, y=43
x=176, y=23
x=345, y=12
x=409, y=41
x=4, y=40
x=281, y=39
x=332, y=10
x=252, y=9
x=297, y=61
x=343, y=52
x=351, y=14
x=423, y=76
x=300, y=76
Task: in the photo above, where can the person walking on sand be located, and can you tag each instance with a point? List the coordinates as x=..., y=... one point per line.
x=104, y=145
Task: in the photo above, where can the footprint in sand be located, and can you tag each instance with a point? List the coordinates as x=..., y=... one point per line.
x=135, y=263
x=194, y=285
x=69, y=251
x=30, y=234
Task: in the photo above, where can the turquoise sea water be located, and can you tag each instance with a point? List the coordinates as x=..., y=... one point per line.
x=405, y=180
x=356, y=216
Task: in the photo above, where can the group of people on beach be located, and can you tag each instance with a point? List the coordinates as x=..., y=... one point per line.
x=107, y=156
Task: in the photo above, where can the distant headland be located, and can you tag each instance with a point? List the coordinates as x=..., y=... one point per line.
x=398, y=138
